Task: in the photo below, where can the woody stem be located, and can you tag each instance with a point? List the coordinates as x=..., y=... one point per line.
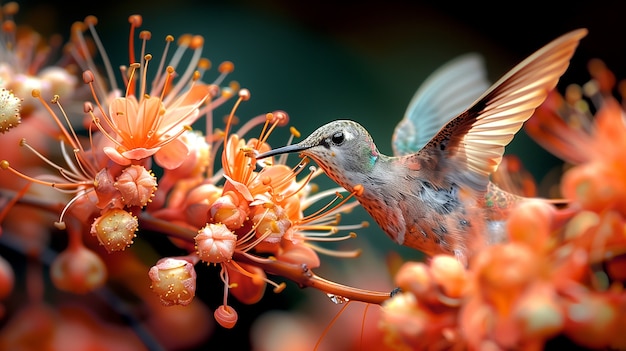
x=298, y=273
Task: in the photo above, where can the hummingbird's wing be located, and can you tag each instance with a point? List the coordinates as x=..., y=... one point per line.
x=443, y=95
x=474, y=141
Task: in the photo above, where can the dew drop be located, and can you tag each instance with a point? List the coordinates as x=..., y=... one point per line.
x=336, y=299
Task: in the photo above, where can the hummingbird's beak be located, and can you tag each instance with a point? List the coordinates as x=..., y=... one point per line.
x=283, y=150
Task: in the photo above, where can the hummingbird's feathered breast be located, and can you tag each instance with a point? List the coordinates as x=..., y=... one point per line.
x=433, y=217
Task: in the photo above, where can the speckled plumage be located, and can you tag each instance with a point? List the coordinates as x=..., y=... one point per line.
x=440, y=199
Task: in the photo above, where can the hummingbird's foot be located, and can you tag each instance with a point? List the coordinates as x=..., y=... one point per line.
x=394, y=292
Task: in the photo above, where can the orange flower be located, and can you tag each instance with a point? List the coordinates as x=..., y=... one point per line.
x=149, y=119
x=150, y=126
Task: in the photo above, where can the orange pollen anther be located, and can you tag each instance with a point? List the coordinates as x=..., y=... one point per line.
x=91, y=20
x=135, y=20
x=358, y=190
x=145, y=35
x=184, y=40
x=78, y=27
x=8, y=27
x=204, y=63
x=88, y=77
x=244, y=94
x=196, y=42
x=226, y=67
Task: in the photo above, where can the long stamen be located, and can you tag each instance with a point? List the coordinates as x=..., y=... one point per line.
x=277, y=287
x=350, y=235
x=158, y=81
x=225, y=69
x=71, y=138
x=129, y=137
x=335, y=253
x=250, y=234
x=325, y=210
x=196, y=43
x=158, y=120
x=143, y=65
x=328, y=326
x=277, y=118
x=86, y=167
x=332, y=228
x=135, y=22
x=318, y=196
x=244, y=95
x=4, y=165
x=183, y=44
x=224, y=277
x=78, y=170
x=295, y=171
x=60, y=224
x=64, y=172
x=88, y=108
x=88, y=78
x=294, y=133
x=91, y=22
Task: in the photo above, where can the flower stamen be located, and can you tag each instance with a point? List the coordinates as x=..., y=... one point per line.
x=277, y=287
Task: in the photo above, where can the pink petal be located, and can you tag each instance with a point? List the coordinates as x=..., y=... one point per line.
x=122, y=110
x=172, y=154
x=242, y=189
x=140, y=153
x=115, y=156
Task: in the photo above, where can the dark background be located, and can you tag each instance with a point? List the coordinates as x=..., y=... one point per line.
x=361, y=60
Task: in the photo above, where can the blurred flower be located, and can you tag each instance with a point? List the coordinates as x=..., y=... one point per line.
x=550, y=280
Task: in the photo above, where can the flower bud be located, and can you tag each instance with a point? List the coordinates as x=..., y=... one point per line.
x=78, y=270
x=137, y=185
x=226, y=316
x=215, y=243
x=173, y=280
x=271, y=223
x=115, y=229
x=227, y=210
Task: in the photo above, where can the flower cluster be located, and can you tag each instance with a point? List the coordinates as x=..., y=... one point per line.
x=125, y=161
x=561, y=274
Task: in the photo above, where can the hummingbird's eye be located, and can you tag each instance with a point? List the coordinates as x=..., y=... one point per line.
x=338, y=138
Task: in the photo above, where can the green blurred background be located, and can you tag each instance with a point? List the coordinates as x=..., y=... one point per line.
x=360, y=60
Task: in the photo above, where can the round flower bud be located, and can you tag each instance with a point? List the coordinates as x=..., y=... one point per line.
x=137, y=185
x=215, y=243
x=78, y=270
x=115, y=229
x=226, y=316
x=173, y=280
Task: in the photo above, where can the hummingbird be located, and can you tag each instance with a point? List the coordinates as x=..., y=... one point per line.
x=435, y=193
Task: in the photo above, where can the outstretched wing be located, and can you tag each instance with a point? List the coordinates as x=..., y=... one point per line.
x=443, y=95
x=478, y=136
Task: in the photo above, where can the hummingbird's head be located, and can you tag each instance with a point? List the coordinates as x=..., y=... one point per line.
x=343, y=149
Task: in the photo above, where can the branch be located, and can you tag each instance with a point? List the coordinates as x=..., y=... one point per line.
x=298, y=273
